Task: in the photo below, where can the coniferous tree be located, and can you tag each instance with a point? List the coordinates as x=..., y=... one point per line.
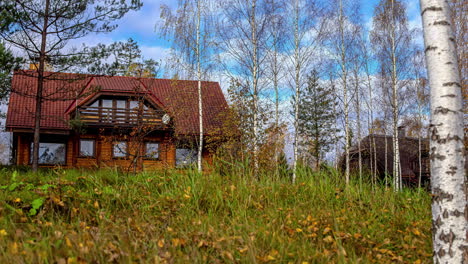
x=122, y=59
x=8, y=63
x=316, y=119
x=46, y=27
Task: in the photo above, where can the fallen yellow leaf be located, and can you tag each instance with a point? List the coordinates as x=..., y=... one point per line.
x=242, y=250
x=161, y=243
x=328, y=239
x=416, y=232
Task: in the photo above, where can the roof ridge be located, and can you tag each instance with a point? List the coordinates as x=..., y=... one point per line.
x=116, y=76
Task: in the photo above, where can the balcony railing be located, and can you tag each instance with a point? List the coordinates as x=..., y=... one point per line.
x=109, y=116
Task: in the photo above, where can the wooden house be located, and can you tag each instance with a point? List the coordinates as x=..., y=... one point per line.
x=102, y=121
x=378, y=150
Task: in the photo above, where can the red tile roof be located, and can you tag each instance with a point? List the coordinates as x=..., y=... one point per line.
x=62, y=92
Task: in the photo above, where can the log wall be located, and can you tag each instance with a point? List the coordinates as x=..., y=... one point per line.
x=104, y=152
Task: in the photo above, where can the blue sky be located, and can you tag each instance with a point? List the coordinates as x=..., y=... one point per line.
x=141, y=26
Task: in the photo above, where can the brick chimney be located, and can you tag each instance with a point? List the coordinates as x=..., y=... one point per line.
x=401, y=131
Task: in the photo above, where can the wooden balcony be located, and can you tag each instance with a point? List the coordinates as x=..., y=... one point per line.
x=109, y=116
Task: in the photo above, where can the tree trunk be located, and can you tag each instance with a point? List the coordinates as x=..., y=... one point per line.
x=386, y=159
x=396, y=149
x=372, y=147
x=276, y=87
x=335, y=127
x=255, y=88
x=297, y=90
x=200, y=101
x=449, y=186
x=40, y=86
x=358, y=121
x=419, y=132
x=344, y=78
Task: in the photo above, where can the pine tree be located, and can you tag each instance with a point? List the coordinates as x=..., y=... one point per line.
x=8, y=63
x=316, y=118
x=44, y=30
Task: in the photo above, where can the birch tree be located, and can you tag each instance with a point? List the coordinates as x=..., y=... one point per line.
x=367, y=68
x=357, y=103
x=340, y=35
x=421, y=96
x=449, y=184
x=392, y=38
x=190, y=30
x=46, y=28
x=307, y=29
x=242, y=36
x=275, y=57
x=276, y=70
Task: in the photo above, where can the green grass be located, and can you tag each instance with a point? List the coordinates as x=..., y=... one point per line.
x=173, y=217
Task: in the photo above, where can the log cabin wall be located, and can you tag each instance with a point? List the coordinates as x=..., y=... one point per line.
x=103, y=152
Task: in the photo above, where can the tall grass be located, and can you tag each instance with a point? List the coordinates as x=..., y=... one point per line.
x=181, y=216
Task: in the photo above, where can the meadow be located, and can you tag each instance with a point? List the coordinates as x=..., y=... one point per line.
x=105, y=216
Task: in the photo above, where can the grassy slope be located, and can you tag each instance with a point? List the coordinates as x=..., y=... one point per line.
x=103, y=216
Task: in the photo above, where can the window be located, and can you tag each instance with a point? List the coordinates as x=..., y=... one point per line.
x=107, y=110
x=120, y=149
x=134, y=105
x=120, y=112
x=152, y=150
x=185, y=157
x=107, y=103
x=95, y=104
x=50, y=153
x=87, y=147
x=121, y=104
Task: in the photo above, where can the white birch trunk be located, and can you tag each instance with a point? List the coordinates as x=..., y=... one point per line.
x=386, y=159
x=335, y=126
x=297, y=86
x=344, y=78
x=449, y=186
x=419, y=132
x=372, y=147
x=396, y=149
x=253, y=24
x=276, y=87
x=358, y=120
x=200, y=101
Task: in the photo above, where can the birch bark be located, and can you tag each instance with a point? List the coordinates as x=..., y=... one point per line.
x=297, y=80
x=199, y=76
x=344, y=77
x=396, y=148
x=253, y=25
x=449, y=186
